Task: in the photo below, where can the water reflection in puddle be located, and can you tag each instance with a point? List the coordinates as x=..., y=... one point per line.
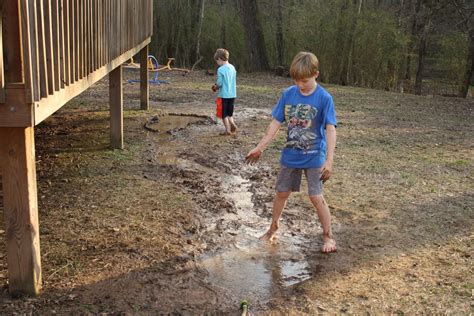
x=259, y=270
x=255, y=269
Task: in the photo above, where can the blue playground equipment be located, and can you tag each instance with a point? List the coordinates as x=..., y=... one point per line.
x=153, y=62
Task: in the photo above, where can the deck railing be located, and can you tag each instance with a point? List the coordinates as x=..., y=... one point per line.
x=65, y=47
x=51, y=51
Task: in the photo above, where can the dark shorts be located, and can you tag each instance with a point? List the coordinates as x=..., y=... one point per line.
x=227, y=107
x=289, y=180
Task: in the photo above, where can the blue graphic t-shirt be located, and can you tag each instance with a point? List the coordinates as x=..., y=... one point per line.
x=306, y=118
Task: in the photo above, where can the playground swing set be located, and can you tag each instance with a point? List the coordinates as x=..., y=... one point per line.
x=153, y=66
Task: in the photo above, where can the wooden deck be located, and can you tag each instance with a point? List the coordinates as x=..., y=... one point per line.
x=50, y=52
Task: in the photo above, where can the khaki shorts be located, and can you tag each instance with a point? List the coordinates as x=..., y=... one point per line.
x=289, y=180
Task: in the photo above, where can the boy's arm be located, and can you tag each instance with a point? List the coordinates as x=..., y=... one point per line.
x=219, y=79
x=254, y=154
x=326, y=170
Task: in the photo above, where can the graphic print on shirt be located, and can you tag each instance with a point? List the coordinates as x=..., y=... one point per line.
x=300, y=118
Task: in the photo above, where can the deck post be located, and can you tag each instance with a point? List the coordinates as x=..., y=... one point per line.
x=116, y=108
x=20, y=202
x=144, y=90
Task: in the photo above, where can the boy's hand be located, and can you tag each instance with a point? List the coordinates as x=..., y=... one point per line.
x=326, y=171
x=214, y=87
x=253, y=156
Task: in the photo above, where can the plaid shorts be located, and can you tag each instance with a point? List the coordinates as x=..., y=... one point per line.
x=289, y=180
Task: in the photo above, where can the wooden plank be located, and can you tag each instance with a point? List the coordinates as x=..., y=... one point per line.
x=74, y=41
x=144, y=89
x=56, y=44
x=15, y=112
x=93, y=21
x=43, y=78
x=116, y=108
x=30, y=53
x=113, y=30
x=61, y=39
x=47, y=106
x=150, y=18
x=119, y=35
x=100, y=32
x=17, y=162
x=107, y=31
x=87, y=37
x=2, y=74
x=80, y=27
x=12, y=40
x=98, y=19
x=32, y=8
x=67, y=34
x=49, y=51
x=95, y=35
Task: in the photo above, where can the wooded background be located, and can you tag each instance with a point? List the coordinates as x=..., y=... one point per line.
x=415, y=46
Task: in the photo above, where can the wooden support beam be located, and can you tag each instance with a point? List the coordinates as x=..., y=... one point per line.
x=144, y=90
x=2, y=74
x=116, y=108
x=17, y=162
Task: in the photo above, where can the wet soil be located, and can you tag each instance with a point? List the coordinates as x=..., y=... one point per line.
x=170, y=224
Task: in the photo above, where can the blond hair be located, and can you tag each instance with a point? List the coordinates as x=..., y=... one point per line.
x=222, y=54
x=304, y=65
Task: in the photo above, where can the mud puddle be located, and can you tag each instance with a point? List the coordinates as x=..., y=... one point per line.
x=243, y=266
x=171, y=122
x=252, y=269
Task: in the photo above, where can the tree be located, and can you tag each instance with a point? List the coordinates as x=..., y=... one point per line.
x=467, y=23
x=464, y=89
x=200, y=19
x=280, y=48
x=256, y=49
x=430, y=9
x=425, y=27
x=223, y=23
x=349, y=64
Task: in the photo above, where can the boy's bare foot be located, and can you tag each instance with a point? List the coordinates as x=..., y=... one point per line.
x=225, y=133
x=269, y=235
x=329, y=245
x=233, y=127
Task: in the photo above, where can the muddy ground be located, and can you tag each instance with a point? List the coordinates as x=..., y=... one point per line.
x=170, y=224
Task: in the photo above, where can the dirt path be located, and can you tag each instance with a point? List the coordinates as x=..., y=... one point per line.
x=170, y=224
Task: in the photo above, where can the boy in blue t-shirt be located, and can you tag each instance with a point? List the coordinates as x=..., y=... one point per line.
x=227, y=85
x=308, y=111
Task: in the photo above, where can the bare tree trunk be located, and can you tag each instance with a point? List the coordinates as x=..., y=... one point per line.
x=256, y=50
x=341, y=45
x=464, y=89
x=279, y=33
x=350, y=62
x=223, y=23
x=426, y=26
x=410, y=46
x=468, y=23
x=202, y=5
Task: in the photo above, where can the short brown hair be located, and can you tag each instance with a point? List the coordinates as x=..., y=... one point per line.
x=304, y=65
x=221, y=53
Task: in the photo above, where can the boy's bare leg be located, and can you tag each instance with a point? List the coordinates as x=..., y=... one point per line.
x=227, y=125
x=278, y=205
x=329, y=245
x=233, y=126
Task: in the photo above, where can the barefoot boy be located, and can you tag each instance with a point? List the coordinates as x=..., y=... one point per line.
x=308, y=111
x=227, y=86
